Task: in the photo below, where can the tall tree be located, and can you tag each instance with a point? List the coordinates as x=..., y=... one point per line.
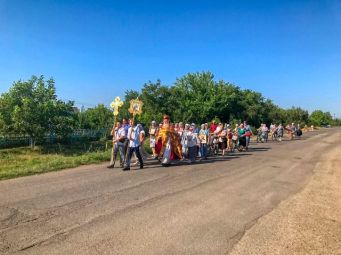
x=297, y=115
x=32, y=108
x=97, y=118
x=195, y=95
x=157, y=100
x=320, y=118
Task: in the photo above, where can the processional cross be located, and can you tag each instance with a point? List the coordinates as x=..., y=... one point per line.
x=115, y=105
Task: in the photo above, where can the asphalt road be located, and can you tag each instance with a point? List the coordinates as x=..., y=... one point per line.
x=204, y=208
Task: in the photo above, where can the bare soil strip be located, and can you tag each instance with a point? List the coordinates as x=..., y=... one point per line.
x=307, y=223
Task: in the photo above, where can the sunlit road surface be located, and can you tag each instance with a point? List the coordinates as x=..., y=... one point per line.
x=212, y=207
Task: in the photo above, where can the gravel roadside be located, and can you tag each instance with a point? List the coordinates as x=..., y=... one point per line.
x=308, y=222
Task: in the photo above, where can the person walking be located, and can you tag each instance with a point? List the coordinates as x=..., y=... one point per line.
x=119, y=136
x=186, y=136
x=248, y=134
x=152, y=138
x=126, y=127
x=203, y=138
x=180, y=129
x=223, y=140
x=134, y=145
x=242, y=136
x=196, y=134
x=143, y=152
x=290, y=132
x=192, y=144
x=280, y=132
x=229, y=139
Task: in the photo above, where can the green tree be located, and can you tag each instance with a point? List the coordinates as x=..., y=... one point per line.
x=195, y=98
x=337, y=122
x=297, y=115
x=32, y=108
x=225, y=100
x=97, y=118
x=63, y=120
x=273, y=113
x=320, y=118
x=157, y=100
x=253, y=107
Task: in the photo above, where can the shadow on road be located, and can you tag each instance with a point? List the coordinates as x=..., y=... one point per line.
x=153, y=163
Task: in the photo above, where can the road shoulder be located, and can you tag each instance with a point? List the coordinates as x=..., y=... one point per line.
x=307, y=223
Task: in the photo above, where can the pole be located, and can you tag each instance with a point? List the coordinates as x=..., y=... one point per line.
x=116, y=104
x=113, y=144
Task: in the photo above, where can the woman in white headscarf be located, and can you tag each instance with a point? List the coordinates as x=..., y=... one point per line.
x=153, y=130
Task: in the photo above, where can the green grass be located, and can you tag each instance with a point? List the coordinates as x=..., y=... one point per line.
x=147, y=146
x=26, y=161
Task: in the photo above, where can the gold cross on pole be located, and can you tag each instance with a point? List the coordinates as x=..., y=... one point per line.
x=116, y=104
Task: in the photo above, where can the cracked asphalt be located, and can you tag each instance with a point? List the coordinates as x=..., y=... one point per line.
x=206, y=208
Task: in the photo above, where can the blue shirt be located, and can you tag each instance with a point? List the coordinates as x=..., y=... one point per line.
x=126, y=127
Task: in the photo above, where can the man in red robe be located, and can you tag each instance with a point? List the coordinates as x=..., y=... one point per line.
x=168, y=144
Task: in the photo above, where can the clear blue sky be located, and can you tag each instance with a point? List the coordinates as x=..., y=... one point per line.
x=95, y=50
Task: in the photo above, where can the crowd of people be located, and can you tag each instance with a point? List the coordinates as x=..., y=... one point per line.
x=187, y=142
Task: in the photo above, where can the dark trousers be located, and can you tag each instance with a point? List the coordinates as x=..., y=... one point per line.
x=131, y=150
x=203, y=150
x=192, y=153
x=125, y=148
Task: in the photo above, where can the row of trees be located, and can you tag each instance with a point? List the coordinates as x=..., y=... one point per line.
x=198, y=98
x=32, y=108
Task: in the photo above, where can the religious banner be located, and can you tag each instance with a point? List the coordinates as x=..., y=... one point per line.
x=135, y=107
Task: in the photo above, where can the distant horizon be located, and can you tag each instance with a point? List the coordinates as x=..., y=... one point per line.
x=290, y=51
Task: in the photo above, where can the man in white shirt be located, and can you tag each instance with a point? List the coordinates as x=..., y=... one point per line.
x=119, y=136
x=134, y=145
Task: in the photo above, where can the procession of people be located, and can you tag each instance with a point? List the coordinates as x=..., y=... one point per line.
x=181, y=142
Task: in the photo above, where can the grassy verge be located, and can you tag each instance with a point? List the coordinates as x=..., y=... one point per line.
x=26, y=161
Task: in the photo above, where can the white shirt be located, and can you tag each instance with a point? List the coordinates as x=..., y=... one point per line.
x=119, y=133
x=264, y=129
x=134, y=137
x=192, y=139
